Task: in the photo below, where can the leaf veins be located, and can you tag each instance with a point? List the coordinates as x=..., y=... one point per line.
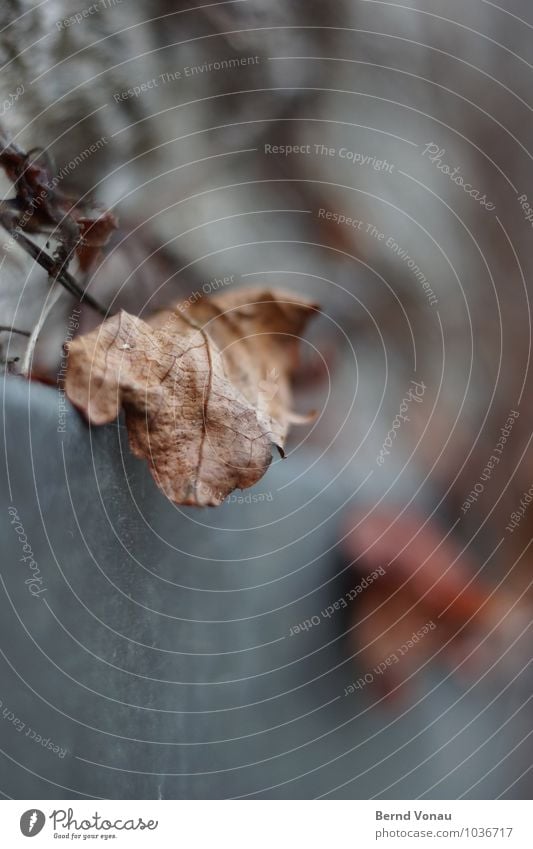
x=204, y=387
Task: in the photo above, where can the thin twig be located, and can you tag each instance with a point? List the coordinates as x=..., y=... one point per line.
x=4, y=328
x=50, y=265
x=51, y=299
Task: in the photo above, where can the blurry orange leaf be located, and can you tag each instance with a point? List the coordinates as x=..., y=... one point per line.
x=426, y=577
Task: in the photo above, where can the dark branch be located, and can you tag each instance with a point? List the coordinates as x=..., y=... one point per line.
x=5, y=329
x=58, y=273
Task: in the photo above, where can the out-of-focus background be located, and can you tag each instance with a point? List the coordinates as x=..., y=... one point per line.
x=361, y=629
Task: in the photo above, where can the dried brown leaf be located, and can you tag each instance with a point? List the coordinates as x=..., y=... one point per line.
x=205, y=387
x=40, y=207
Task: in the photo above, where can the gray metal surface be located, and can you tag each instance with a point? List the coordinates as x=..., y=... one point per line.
x=158, y=656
